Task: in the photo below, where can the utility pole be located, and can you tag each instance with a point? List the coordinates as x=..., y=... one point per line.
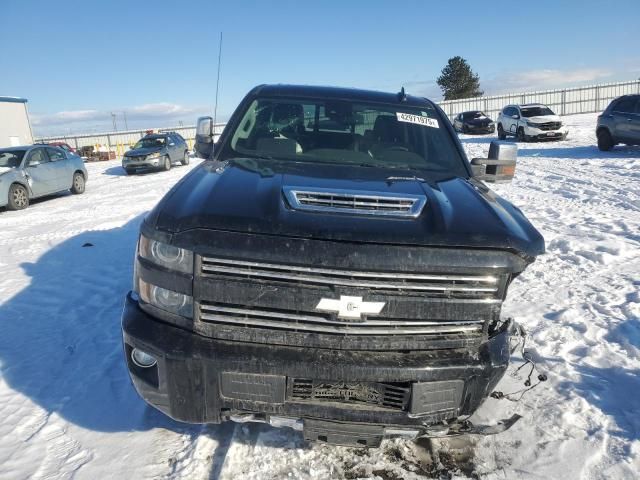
x=126, y=126
x=113, y=118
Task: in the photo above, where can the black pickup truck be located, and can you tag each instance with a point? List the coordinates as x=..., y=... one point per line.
x=336, y=266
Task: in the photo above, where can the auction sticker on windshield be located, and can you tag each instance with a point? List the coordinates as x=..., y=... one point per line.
x=417, y=119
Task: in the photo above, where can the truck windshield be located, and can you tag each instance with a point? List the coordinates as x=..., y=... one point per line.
x=326, y=131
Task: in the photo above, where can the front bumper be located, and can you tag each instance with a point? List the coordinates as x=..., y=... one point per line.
x=146, y=164
x=481, y=129
x=203, y=380
x=538, y=134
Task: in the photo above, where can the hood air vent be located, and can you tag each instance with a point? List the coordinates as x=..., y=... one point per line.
x=355, y=202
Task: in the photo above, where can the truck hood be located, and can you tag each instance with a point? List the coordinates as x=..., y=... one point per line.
x=4, y=170
x=246, y=195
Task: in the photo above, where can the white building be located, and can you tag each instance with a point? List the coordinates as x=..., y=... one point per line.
x=15, y=127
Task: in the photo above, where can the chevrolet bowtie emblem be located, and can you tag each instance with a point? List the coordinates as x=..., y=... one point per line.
x=350, y=308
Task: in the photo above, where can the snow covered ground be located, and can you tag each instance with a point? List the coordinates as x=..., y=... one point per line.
x=67, y=408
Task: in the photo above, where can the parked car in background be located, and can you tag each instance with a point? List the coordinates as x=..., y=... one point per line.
x=473, y=121
x=158, y=151
x=533, y=121
x=65, y=146
x=619, y=123
x=37, y=170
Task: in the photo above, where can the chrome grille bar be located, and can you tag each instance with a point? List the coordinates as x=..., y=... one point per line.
x=250, y=317
x=481, y=285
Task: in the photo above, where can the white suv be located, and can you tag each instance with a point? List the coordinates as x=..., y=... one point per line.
x=533, y=121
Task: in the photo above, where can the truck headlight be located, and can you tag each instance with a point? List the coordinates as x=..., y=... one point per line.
x=166, y=255
x=153, y=156
x=165, y=299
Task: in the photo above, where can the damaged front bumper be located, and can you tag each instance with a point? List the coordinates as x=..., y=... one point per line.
x=334, y=396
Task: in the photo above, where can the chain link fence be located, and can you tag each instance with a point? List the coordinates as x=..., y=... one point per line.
x=120, y=142
x=566, y=101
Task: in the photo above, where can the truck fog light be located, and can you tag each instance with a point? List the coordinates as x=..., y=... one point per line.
x=143, y=359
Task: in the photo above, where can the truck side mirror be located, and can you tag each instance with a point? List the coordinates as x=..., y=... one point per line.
x=500, y=167
x=204, y=137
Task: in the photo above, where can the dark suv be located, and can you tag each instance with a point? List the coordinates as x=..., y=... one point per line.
x=619, y=123
x=336, y=266
x=157, y=151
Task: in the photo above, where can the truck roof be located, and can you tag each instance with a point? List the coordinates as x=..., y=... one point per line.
x=339, y=93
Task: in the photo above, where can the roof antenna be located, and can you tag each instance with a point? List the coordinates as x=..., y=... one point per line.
x=215, y=107
x=402, y=97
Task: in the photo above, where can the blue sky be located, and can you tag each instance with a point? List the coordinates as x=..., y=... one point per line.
x=78, y=61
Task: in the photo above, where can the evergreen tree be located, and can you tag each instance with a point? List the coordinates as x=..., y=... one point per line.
x=458, y=80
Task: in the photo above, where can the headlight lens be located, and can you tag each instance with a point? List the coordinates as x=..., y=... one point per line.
x=532, y=124
x=167, y=300
x=153, y=156
x=166, y=255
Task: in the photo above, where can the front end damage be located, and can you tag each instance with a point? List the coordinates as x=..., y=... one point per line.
x=362, y=396
x=256, y=347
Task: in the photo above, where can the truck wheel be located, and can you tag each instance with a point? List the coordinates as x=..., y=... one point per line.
x=167, y=163
x=465, y=129
x=77, y=186
x=605, y=142
x=521, y=136
x=185, y=159
x=501, y=134
x=18, y=197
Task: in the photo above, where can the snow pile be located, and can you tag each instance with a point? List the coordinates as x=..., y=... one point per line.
x=67, y=408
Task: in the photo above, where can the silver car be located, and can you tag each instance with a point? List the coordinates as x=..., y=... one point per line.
x=37, y=170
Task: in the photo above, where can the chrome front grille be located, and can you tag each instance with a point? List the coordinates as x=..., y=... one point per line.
x=549, y=126
x=355, y=202
x=253, y=317
x=439, y=285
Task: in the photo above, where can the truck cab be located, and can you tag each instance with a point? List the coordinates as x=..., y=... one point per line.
x=336, y=265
